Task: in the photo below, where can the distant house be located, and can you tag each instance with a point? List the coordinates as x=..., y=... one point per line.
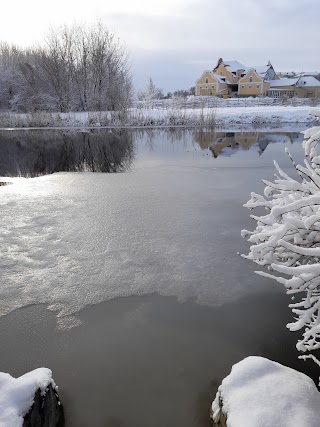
x=282, y=87
x=232, y=78
x=308, y=86
x=301, y=87
x=292, y=74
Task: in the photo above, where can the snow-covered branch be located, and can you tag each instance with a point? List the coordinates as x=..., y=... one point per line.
x=287, y=238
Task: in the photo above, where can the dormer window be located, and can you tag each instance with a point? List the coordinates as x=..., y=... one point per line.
x=250, y=79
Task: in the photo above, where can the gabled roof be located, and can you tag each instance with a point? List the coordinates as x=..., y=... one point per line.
x=262, y=69
x=247, y=71
x=308, y=81
x=233, y=66
x=283, y=82
x=216, y=76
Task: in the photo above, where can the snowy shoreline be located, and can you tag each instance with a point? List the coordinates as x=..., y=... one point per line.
x=149, y=118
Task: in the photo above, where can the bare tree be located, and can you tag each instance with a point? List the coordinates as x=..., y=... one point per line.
x=79, y=68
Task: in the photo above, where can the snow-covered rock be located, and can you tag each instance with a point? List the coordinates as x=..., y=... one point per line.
x=262, y=393
x=30, y=400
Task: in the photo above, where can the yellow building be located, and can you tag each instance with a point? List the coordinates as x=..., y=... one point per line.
x=252, y=84
x=233, y=78
x=212, y=84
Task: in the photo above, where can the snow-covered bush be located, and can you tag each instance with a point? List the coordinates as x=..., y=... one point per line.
x=287, y=239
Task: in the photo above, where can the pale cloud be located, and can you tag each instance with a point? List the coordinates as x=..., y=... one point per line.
x=174, y=40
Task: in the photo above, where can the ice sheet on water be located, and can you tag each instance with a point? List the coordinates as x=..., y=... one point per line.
x=68, y=240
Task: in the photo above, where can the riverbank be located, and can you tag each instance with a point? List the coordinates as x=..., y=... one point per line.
x=143, y=117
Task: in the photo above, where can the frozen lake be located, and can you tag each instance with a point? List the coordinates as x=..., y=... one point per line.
x=128, y=284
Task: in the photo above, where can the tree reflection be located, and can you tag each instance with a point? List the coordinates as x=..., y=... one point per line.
x=34, y=153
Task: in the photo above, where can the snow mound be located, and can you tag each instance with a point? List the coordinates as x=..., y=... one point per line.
x=17, y=394
x=262, y=393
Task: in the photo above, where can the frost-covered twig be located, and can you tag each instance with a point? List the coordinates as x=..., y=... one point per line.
x=287, y=238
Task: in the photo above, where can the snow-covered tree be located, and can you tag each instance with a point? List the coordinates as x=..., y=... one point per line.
x=150, y=92
x=287, y=239
x=79, y=67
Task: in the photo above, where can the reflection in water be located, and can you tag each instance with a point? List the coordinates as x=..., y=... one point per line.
x=226, y=143
x=34, y=153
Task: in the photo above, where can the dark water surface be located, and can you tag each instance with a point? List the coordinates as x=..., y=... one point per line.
x=149, y=303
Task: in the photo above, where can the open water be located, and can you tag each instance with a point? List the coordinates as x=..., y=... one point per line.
x=120, y=269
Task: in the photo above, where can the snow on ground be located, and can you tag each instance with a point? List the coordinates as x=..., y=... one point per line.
x=196, y=116
x=268, y=114
x=262, y=393
x=17, y=394
x=212, y=101
x=151, y=116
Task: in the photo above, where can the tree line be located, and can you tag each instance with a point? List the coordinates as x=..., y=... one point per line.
x=78, y=68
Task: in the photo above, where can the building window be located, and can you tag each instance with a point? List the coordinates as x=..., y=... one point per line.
x=242, y=87
x=250, y=86
x=212, y=86
x=250, y=79
x=258, y=86
x=207, y=80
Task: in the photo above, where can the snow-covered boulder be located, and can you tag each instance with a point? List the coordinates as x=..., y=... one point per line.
x=262, y=393
x=30, y=400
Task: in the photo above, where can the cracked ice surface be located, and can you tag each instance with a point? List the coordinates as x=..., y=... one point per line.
x=169, y=226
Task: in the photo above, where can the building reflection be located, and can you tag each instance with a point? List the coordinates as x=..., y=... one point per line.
x=226, y=143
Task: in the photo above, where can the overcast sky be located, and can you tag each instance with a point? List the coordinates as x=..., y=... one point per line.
x=173, y=41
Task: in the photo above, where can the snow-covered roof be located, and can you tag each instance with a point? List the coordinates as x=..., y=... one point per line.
x=220, y=78
x=310, y=73
x=308, y=81
x=288, y=73
x=296, y=73
x=261, y=69
x=233, y=66
x=283, y=82
x=216, y=76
